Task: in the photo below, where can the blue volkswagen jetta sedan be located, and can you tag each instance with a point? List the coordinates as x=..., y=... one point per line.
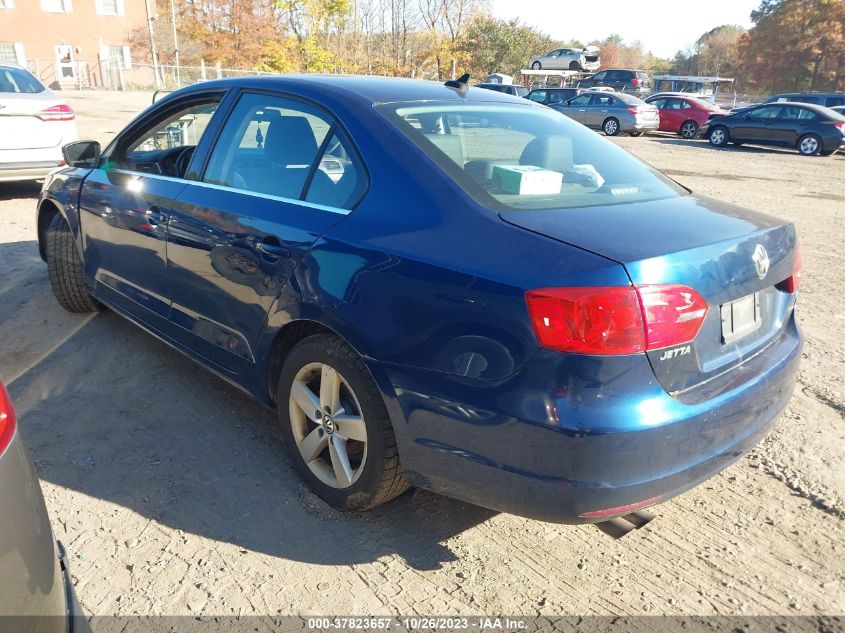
x=437, y=286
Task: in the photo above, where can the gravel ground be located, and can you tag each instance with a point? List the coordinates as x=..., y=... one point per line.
x=173, y=495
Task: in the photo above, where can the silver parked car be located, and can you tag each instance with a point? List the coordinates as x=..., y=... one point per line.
x=37, y=594
x=34, y=125
x=586, y=58
x=611, y=112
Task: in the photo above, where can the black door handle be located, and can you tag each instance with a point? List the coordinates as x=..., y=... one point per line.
x=156, y=216
x=270, y=246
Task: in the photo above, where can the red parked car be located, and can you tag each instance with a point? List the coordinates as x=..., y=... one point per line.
x=683, y=115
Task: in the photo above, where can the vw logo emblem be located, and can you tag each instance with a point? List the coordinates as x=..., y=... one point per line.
x=328, y=424
x=761, y=261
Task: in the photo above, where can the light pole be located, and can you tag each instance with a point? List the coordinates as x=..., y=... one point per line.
x=152, y=44
x=175, y=44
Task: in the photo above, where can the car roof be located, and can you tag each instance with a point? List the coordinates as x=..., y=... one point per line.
x=361, y=88
x=814, y=93
x=815, y=107
x=9, y=64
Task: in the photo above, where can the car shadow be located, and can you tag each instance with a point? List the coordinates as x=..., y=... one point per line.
x=17, y=190
x=116, y=414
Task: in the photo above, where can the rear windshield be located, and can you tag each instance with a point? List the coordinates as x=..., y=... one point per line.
x=18, y=80
x=528, y=157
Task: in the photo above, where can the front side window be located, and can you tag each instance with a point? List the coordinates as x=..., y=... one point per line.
x=285, y=148
x=509, y=156
x=602, y=100
x=538, y=95
x=580, y=100
x=165, y=146
x=768, y=112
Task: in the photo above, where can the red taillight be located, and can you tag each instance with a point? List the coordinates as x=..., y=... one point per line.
x=633, y=110
x=615, y=319
x=790, y=284
x=7, y=419
x=61, y=112
x=603, y=320
x=673, y=314
x=840, y=126
x=635, y=81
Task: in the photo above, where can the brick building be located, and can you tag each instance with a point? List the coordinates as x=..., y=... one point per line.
x=71, y=43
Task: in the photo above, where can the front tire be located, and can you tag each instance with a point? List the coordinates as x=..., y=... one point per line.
x=688, y=130
x=336, y=427
x=573, y=65
x=610, y=126
x=65, y=269
x=718, y=136
x=809, y=145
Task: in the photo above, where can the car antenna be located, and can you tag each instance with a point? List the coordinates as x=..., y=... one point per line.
x=461, y=85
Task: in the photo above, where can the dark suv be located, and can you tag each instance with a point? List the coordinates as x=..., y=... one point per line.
x=827, y=99
x=634, y=81
x=548, y=96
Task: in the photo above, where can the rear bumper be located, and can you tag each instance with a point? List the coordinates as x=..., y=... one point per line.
x=77, y=622
x=568, y=435
x=644, y=126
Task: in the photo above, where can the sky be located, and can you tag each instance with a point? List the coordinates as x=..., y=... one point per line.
x=663, y=26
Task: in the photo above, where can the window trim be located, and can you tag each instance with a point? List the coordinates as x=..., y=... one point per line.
x=256, y=194
x=336, y=127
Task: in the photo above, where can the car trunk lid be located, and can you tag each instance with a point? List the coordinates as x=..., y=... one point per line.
x=701, y=243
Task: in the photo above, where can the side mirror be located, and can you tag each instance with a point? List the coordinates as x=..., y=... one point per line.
x=81, y=153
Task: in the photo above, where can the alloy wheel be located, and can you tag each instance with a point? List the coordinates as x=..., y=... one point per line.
x=809, y=145
x=328, y=425
x=717, y=136
x=611, y=127
x=688, y=129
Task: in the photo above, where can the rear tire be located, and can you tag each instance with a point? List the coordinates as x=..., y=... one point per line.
x=719, y=136
x=536, y=66
x=688, y=130
x=574, y=65
x=336, y=427
x=64, y=266
x=610, y=126
x=809, y=145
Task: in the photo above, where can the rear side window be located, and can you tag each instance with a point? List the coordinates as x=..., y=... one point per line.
x=538, y=95
x=18, y=80
x=834, y=101
x=285, y=148
x=559, y=96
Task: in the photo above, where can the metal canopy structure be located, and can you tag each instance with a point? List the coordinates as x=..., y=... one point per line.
x=543, y=76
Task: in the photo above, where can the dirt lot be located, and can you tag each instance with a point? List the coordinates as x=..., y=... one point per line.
x=173, y=495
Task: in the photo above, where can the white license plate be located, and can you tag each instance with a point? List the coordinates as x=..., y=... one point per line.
x=740, y=317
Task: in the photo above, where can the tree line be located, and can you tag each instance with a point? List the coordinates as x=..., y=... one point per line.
x=792, y=45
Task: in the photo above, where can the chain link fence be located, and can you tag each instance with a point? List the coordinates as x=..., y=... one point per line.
x=116, y=74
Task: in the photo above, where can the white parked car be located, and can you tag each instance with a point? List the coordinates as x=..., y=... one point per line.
x=34, y=125
x=586, y=59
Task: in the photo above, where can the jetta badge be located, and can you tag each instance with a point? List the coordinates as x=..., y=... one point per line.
x=761, y=261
